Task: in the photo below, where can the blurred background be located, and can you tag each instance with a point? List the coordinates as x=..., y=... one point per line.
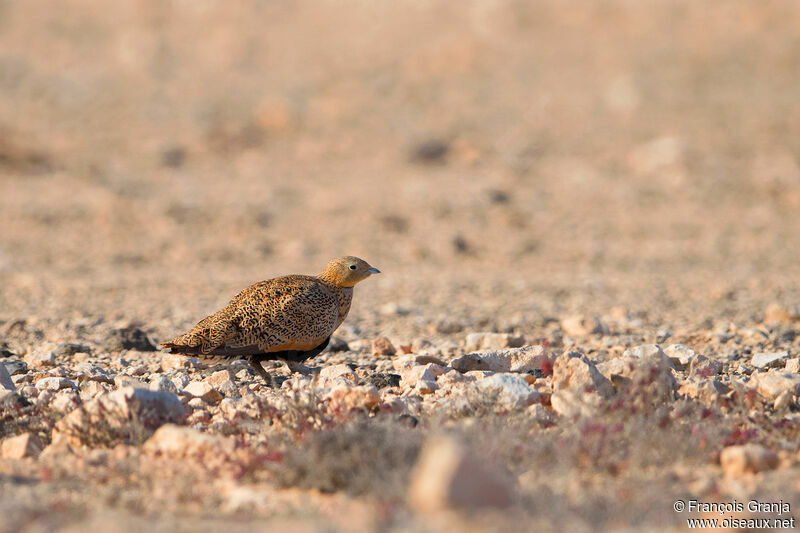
x=490, y=157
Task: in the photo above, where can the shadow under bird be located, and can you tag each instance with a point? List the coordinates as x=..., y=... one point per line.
x=289, y=318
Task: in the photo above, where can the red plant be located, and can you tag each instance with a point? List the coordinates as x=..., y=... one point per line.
x=547, y=366
x=740, y=436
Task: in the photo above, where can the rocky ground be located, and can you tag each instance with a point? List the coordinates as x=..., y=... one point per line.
x=585, y=218
x=582, y=428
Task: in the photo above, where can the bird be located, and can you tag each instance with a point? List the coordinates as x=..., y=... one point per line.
x=288, y=318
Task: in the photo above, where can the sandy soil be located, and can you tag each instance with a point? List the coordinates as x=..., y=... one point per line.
x=510, y=167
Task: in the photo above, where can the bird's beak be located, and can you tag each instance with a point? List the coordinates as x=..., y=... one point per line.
x=374, y=270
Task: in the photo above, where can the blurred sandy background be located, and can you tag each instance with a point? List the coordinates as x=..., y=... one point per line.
x=529, y=150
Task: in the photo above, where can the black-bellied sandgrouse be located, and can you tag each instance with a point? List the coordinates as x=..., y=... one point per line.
x=290, y=318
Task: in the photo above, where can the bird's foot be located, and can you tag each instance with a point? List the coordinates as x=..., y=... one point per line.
x=301, y=368
x=268, y=378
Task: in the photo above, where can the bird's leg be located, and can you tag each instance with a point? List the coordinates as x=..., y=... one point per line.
x=294, y=358
x=266, y=376
x=296, y=366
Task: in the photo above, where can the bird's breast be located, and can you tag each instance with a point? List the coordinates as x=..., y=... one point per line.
x=345, y=299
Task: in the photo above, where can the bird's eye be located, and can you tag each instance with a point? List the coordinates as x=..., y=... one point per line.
x=352, y=267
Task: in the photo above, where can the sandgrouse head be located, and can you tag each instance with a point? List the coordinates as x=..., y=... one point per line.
x=347, y=271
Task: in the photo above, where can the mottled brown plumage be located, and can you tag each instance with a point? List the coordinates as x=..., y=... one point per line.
x=290, y=318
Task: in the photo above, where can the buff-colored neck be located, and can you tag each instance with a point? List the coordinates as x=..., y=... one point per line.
x=332, y=277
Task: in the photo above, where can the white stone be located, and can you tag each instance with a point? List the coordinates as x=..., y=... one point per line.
x=88, y=371
x=16, y=367
x=201, y=389
x=42, y=356
x=5, y=379
x=452, y=377
x=10, y=398
x=575, y=371
x=539, y=413
x=426, y=386
x=180, y=441
x=422, y=373
x=45, y=397
x=352, y=397
x=404, y=362
x=180, y=381
x=523, y=359
x=224, y=382
x=448, y=476
x=772, y=384
x=747, y=458
x=477, y=375
x=234, y=408
x=197, y=403
x=55, y=384
x=121, y=380
x=66, y=400
x=679, y=354
x=219, y=378
x=768, y=360
x=783, y=401
x=647, y=366
x=21, y=446
x=338, y=371
x=649, y=352
x=172, y=361
x=91, y=389
x=162, y=383
x=704, y=367
x=708, y=391
x=512, y=389
x=573, y=403
x=160, y=404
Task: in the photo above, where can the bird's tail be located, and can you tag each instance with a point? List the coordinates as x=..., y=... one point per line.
x=182, y=345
